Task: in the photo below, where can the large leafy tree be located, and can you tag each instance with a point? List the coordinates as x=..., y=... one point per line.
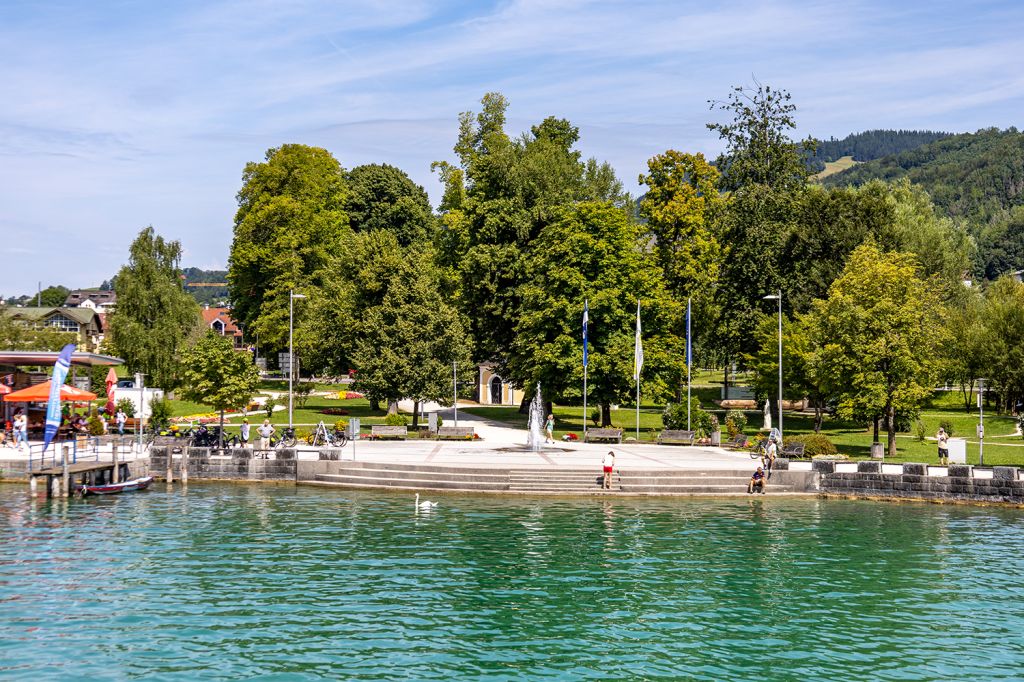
x=54, y=296
x=1003, y=342
x=382, y=197
x=289, y=228
x=880, y=332
x=216, y=374
x=681, y=207
x=594, y=252
x=154, y=317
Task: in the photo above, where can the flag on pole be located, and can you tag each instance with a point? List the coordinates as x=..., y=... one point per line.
x=638, y=351
x=60, y=373
x=689, y=338
x=586, y=319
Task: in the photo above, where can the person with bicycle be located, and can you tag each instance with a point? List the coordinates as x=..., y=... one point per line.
x=266, y=432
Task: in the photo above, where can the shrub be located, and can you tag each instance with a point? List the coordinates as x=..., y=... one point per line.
x=335, y=411
x=159, y=413
x=341, y=425
x=304, y=435
x=95, y=425
x=396, y=420
x=674, y=418
x=815, y=444
x=126, y=406
x=919, y=429
x=269, y=406
x=302, y=392
x=735, y=422
x=947, y=426
x=595, y=416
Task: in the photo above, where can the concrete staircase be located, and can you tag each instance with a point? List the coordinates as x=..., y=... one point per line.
x=549, y=481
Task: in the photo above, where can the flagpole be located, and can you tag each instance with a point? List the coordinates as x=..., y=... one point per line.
x=586, y=321
x=688, y=347
x=638, y=364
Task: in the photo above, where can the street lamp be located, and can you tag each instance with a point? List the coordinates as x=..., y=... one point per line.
x=291, y=349
x=981, y=422
x=778, y=297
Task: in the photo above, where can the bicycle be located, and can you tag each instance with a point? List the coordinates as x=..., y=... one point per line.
x=287, y=439
x=334, y=439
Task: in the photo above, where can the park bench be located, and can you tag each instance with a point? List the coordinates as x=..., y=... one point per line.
x=455, y=433
x=385, y=431
x=671, y=437
x=793, y=451
x=603, y=434
x=737, y=443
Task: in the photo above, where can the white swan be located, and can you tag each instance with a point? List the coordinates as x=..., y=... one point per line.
x=426, y=505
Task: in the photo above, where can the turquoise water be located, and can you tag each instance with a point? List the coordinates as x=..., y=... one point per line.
x=281, y=583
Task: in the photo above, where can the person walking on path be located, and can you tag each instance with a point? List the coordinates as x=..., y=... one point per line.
x=265, y=431
x=121, y=418
x=549, y=429
x=20, y=430
x=943, y=446
x=608, y=466
x=244, y=433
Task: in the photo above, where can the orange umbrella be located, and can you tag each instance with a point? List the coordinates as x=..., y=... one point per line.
x=40, y=393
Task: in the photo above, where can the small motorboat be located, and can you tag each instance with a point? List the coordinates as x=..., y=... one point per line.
x=114, y=488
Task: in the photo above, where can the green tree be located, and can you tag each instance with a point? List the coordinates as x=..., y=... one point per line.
x=154, y=317
x=54, y=296
x=16, y=335
x=289, y=228
x=382, y=197
x=965, y=350
x=594, y=253
x=880, y=332
x=217, y=375
x=681, y=207
x=1003, y=341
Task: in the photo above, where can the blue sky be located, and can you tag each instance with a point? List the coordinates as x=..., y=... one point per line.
x=118, y=115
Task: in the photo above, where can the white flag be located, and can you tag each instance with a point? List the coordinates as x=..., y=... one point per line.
x=638, y=352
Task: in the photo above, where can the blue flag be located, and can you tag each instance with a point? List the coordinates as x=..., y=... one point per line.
x=586, y=320
x=689, y=338
x=60, y=373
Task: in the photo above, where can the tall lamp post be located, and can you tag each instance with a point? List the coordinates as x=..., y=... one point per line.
x=291, y=349
x=778, y=297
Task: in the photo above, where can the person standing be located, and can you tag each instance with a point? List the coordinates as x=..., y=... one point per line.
x=943, y=446
x=265, y=431
x=20, y=429
x=608, y=466
x=244, y=433
x=771, y=451
x=121, y=418
x=549, y=429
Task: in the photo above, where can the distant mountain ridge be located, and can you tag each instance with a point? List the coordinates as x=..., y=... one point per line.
x=870, y=145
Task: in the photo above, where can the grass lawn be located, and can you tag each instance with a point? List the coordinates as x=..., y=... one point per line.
x=837, y=166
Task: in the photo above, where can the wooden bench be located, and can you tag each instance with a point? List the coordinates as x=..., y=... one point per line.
x=737, y=443
x=604, y=434
x=669, y=437
x=385, y=431
x=792, y=451
x=455, y=433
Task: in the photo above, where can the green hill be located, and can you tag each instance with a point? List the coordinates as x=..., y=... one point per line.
x=868, y=145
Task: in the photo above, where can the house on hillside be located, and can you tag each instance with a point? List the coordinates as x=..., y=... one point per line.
x=86, y=322
x=220, y=321
x=102, y=300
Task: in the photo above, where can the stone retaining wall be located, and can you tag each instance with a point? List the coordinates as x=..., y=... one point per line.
x=961, y=482
x=233, y=465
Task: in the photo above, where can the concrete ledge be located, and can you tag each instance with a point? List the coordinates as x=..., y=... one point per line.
x=869, y=467
x=960, y=471
x=915, y=469
x=1004, y=473
x=823, y=466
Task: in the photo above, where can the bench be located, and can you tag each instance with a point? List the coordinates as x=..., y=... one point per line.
x=385, y=431
x=793, y=451
x=603, y=434
x=669, y=437
x=456, y=433
x=737, y=443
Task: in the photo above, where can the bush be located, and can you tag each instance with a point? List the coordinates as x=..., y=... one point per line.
x=947, y=426
x=341, y=425
x=127, y=406
x=815, y=444
x=335, y=411
x=919, y=430
x=302, y=392
x=304, y=435
x=269, y=406
x=595, y=416
x=159, y=413
x=674, y=418
x=735, y=422
x=95, y=425
x=396, y=420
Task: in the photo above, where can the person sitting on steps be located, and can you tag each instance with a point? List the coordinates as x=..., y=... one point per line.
x=756, y=481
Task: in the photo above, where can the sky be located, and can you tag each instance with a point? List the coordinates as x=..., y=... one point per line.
x=115, y=115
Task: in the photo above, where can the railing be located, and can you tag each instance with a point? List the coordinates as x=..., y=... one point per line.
x=54, y=454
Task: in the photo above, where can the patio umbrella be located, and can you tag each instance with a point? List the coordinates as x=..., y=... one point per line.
x=40, y=393
x=111, y=387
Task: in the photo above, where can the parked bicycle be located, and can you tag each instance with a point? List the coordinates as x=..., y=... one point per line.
x=287, y=439
x=335, y=438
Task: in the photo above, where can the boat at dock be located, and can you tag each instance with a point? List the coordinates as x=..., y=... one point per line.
x=114, y=488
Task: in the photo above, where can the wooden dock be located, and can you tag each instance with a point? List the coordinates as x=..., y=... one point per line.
x=81, y=473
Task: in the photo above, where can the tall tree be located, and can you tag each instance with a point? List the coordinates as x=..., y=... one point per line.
x=595, y=252
x=382, y=197
x=290, y=226
x=216, y=374
x=154, y=317
x=880, y=331
x=1003, y=319
x=54, y=296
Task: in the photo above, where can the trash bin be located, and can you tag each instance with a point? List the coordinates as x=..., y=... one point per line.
x=957, y=450
x=877, y=451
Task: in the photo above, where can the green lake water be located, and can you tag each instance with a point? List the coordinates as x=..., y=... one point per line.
x=282, y=583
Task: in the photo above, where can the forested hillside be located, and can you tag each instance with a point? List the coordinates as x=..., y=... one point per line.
x=205, y=294
x=975, y=177
x=870, y=145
